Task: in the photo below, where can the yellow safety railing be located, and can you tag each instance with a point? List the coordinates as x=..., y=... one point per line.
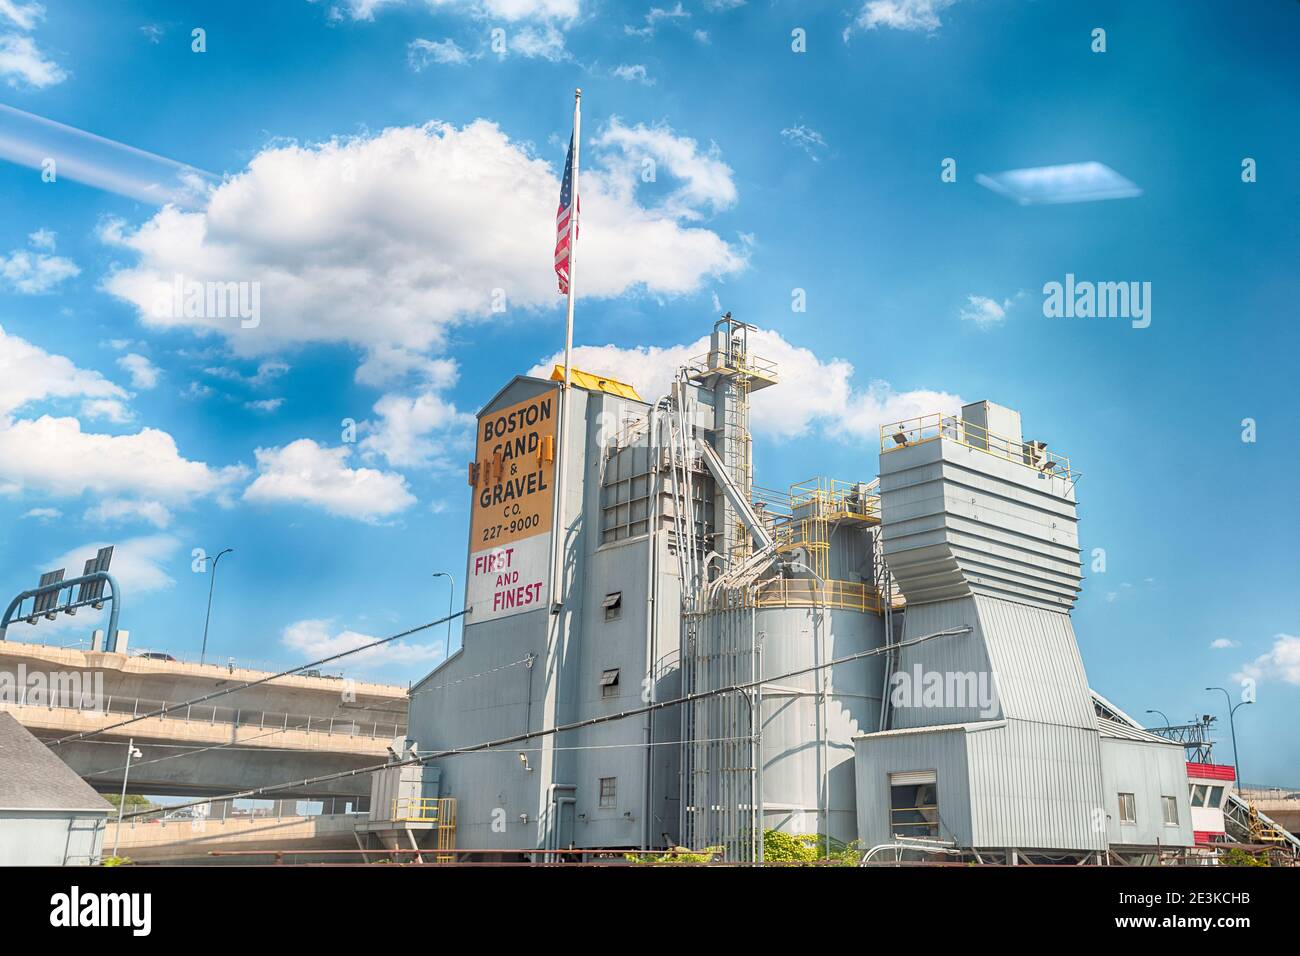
x=926, y=428
x=1261, y=831
x=743, y=363
x=439, y=812
x=809, y=592
x=420, y=809
x=803, y=518
x=836, y=500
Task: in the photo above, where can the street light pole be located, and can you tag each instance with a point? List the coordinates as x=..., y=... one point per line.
x=212, y=583
x=451, y=596
x=1232, y=725
x=1162, y=716
x=121, y=803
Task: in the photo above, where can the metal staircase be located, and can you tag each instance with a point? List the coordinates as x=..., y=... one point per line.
x=1246, y=824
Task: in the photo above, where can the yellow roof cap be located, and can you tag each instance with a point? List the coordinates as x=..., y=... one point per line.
x=596, y=383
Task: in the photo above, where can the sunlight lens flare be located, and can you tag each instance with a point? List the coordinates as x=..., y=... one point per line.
x=45, y=145
x=1074, y=182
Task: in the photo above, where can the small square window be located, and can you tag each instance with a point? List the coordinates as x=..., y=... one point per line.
x=1215, y=798
x=1170, y=805
x=613, y=605
x=609, y=791
x=1127, y=808
x=609, y=683
x=914, y=804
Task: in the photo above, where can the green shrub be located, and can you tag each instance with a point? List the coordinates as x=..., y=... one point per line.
x=678, y=854
x=808, y=848
x=1239, y=857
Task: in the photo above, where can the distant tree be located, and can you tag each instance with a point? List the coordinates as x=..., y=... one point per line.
x=133, y=801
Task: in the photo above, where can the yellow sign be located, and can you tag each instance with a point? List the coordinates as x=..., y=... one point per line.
x=514, y=489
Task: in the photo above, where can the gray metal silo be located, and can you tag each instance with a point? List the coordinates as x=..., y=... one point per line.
x=778, y=754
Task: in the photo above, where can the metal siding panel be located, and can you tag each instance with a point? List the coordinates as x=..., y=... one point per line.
x=1148, y=771
x=943, y=655
x=876, y=758
x=1006, y=530
x=1035, y=786
x=1036, y=658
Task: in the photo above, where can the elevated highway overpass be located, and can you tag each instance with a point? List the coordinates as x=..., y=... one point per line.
x=1281, y=804
x=288, y=728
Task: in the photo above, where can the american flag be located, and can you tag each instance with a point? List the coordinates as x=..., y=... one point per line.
x=564, y=235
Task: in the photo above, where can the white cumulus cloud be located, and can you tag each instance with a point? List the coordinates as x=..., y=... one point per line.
x=407, y=424
x=1280, y=663
x=375, y=226
x=24, y=16
x=420, y=53
x=29, y=374
x=264, y=405
x=35, y=272
x=509, y=10
x=705, y=180
x=55, y=456
x=24, y=64
x=812, y=392
x=654, y=17
x=140, y=565
x=805, y=138
x=316, y=638
x=43, y=239
x=52, y=454
x=543, y=41
x=107, y=409
x=126, y=511
x=385, y=365
x=913, y=15
x=633, y=72
x=144, y=374
x=983, y=311
x=303, y=472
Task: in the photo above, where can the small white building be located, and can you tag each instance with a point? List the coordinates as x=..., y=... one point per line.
x=49, y=816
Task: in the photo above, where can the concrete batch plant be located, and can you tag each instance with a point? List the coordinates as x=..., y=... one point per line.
x=888, y=661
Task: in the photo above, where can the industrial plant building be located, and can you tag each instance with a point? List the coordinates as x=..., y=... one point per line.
x=888, y=660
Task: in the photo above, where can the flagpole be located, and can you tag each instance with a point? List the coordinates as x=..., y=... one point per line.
x=557, y=555
x=573, y=243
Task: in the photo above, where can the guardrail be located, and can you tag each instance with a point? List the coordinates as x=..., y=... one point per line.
x=229, y=663
x=926, y=428
x=337, y=725
x=744, y=363
x=809, y=592
x=424, y=810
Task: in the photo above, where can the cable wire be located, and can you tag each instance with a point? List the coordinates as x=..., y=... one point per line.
x=230, y=690
x=562, y=728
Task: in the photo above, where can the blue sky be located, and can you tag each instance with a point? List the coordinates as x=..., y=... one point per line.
x=378, y=243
